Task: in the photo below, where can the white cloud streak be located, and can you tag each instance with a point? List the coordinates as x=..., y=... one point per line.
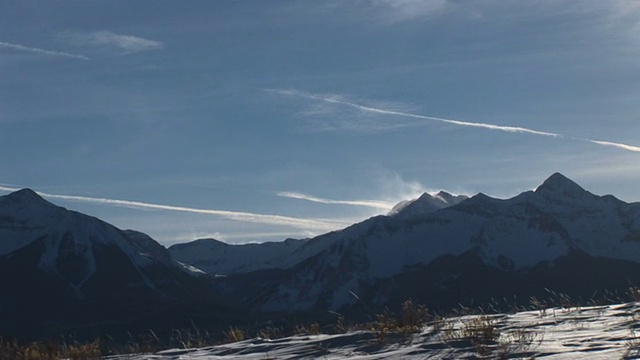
x=613, y=144
x=503, y=128
x=299, y=223
x=126, y=43
x=42, y=51
x=377, y=204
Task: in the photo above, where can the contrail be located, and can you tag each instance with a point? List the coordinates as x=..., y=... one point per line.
x=300, y=223
x=510, y=129
x=366, y=203
x=617, y=145
x=43, y=51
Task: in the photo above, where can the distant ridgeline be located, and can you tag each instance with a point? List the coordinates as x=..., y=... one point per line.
x=62, y=271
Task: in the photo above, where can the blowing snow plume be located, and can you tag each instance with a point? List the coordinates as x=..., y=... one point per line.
x=503, y=128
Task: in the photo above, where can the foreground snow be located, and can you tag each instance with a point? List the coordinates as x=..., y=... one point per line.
x=602, y=332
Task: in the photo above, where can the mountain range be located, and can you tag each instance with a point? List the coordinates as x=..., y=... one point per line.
x=62, y=271
x=559, y=237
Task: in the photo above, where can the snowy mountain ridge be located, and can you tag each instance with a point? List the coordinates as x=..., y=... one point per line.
x=552, y=197
x=555, y=221
x=217, y=257
x=425, y=204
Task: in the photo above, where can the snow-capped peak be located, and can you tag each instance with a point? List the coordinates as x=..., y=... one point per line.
x=449, y=198
x=426, y=203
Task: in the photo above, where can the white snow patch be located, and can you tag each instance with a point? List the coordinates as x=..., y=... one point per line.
x=599, y=332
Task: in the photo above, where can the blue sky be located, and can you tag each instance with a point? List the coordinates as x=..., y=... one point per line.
x=260, y=120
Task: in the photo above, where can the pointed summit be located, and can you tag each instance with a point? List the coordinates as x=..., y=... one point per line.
x=560, y=184
x=26, y=196
x=25, y=193
x=25, y=204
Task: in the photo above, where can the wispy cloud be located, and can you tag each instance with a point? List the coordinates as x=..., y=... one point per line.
x=488, y=126
x=404, y=10
x=377, y=204
x=299, y=223
x=42, y=51
x=106, y=39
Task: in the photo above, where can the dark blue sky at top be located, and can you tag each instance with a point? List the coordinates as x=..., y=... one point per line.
x=226, y=105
